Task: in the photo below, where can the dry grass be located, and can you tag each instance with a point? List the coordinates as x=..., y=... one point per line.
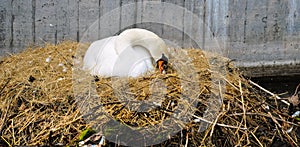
x=49, y=103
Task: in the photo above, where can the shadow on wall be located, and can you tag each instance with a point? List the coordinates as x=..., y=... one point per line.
x=185, y=40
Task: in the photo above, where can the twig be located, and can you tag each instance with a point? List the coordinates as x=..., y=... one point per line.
x=6, y=141
x=296, y=91
x=187, y=140
x=13, y=132
x=221, y=125
x=243, y=104
x=250, y=113
x=4, y=118
x=7, y=109
x=267, y=91
x=214, y=124
x=256, y=139
x=5, y=85
x=64, y=57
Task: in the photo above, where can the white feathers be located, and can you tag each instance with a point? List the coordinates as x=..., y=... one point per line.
x=132, y=53
x=48, y=60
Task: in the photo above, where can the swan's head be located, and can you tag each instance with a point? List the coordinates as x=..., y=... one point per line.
x=162, y=64
x=159, y=53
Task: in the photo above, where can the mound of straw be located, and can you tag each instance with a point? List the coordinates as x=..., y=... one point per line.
x=48, y=100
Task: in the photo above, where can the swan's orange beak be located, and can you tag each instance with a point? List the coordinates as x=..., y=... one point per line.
x=161, y=66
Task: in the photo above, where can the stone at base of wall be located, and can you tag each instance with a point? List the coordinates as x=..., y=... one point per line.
x=272, y=70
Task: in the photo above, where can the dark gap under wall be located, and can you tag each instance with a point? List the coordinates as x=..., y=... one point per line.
x=279, y=84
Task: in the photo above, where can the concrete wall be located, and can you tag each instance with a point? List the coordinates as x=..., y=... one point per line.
x=264, y=34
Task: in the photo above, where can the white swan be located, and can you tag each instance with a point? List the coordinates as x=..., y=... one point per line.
x=131, y=53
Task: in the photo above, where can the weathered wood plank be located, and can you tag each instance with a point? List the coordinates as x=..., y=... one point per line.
x=187, y=23
x=149, y=16
x=172, y=16
x=222, y=28
x=256, y=19
x=198, y=21
x=22, y=29
x=211, y=25
x=46, y=21
x=193, y=24
x=145, y=18
x=89, y=12
x=109, y=18
x=66, y=16
x=277, y=12
x=237, y=21
x=5, y=27
x=73, y=14
x=291, y=38
x=128, y=14
x=236, y=32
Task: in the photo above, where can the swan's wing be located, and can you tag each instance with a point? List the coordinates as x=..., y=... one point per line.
x=142, y=62
x=141, y=67
x=99, y=56
x=102, y=59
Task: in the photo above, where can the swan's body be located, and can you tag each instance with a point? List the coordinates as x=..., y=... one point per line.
x=131, y=53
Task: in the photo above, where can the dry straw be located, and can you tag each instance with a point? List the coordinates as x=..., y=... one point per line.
x=39, y=106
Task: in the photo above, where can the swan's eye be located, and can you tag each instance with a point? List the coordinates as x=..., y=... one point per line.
x=165, y=66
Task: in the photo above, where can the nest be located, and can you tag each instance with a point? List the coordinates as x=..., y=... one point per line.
x=202, y=100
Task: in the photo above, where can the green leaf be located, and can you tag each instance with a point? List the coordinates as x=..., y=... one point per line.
x=86, y=133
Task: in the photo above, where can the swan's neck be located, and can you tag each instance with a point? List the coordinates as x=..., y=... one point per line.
x=139, y=37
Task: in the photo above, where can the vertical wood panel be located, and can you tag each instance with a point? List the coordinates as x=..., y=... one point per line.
x=5, y=27
x=216, y=25
x=22, y=24
x=223, y=29
x=73, y=14
x=62, y=20
x=139, y=12
x=187, y=23
x=145, y=18
x=276, y=28
x=45, y=21
x=173, y=30
x=193, y=19
x=256, y=18
x=66, y=17
x=2, y=26
x=292, y=35
x=128, y=14
x=211, y=24
x=198, y=23
x=89, y=19
x=277, y=12
x=109, y=18
x=237, y=21
x=293, y=17
x=149, y=14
